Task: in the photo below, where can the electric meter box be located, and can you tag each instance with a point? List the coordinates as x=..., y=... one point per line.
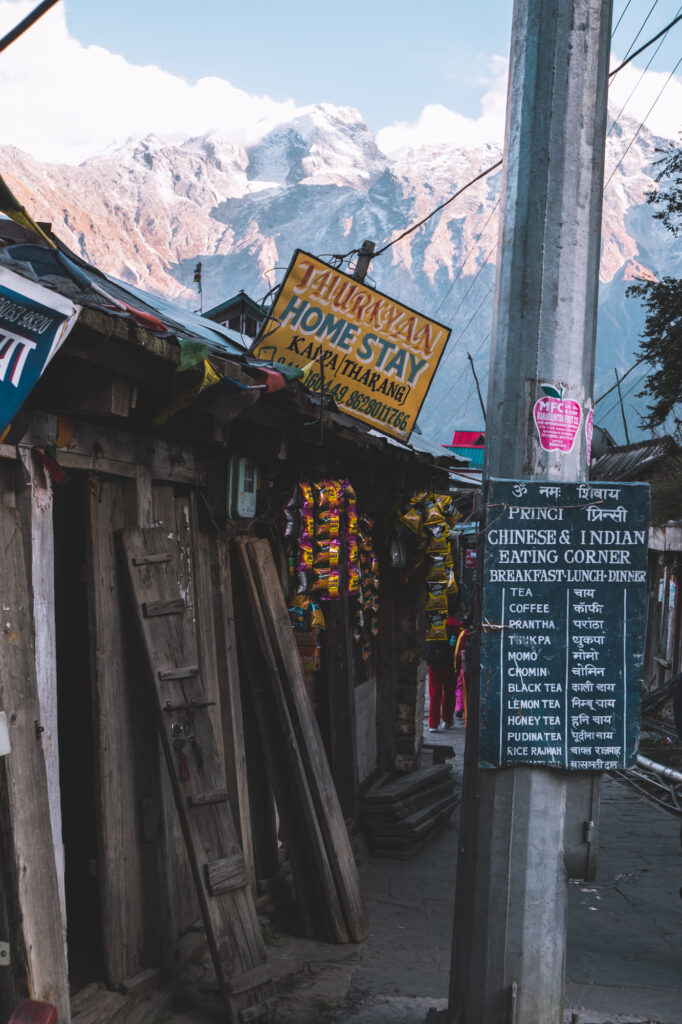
x=242, y=487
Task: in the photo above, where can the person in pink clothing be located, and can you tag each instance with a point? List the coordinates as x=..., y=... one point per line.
x=440, y=659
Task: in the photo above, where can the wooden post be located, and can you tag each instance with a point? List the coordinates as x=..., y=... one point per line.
x=386, y=692
x=29, y=869
x=112, y=505
x=364, y=260
x=341, y=682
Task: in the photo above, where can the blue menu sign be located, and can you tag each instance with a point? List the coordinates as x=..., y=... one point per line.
x=563, y=624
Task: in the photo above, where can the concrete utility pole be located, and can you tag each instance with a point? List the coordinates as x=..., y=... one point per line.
x=510, y=909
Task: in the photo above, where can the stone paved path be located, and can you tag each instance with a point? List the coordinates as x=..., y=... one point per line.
x=624, y=945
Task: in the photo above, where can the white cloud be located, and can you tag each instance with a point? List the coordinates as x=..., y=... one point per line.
x=437, y=124
x=64, y=101
x=666, y=117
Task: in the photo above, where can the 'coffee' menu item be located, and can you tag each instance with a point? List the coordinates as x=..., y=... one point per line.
x=563, y=626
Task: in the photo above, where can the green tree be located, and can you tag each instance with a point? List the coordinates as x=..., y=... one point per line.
x=661, y=342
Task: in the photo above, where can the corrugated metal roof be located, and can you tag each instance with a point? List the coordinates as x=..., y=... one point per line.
x=474, y=456
x=638, y=461
x=467, y=439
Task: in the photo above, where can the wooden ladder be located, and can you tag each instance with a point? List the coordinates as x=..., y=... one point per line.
x=199, y=785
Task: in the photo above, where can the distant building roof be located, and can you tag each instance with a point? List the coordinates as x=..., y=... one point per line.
x=644, y=460
x=240, y=299
x=467, y=439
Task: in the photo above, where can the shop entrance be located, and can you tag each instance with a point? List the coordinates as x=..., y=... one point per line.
x=76, y=746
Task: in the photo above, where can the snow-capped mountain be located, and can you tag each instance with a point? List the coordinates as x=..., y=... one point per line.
x=146, y=212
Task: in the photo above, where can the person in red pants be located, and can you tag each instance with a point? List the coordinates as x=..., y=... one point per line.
x=442, y=677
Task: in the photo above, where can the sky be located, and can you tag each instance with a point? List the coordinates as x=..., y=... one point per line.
x=91, y=73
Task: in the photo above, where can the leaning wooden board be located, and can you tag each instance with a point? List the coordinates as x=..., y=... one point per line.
x=332, y=824
x=198, y=781
x=313, y=875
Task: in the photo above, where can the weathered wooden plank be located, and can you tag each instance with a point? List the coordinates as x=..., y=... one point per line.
x=341, y=683
x=305, y=827
x=153, y=559
x=386, y=697
x=262, y=1011
x=35, y=505
x=183, y=672
x=226, y=874
x=406, y=785
x=205, y=618
x=231, y=712
x=175, y=606
x=332, y=825
x=217, y=796
x=283, y=779
x=194, y=767
x=29, y=869
x=256, y=976
x=112, y=504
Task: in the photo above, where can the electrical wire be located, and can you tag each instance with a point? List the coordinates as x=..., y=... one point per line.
x=646, y=45
x=621, y=18
x=641, y=27
x=466, y=258
x=442, y=206
x=641, y=125
x=26, y=23
x=639, y=80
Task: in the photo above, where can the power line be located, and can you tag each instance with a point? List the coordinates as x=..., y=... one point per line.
x=464, y=262
x=29, y=20
x=641, y=27
x=459, y=192
x=658, y=35
x=639, y=81
x=621, y=18
x=641, y=124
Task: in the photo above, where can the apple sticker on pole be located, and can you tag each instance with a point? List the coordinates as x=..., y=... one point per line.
x=557, y=419
x=589, y=430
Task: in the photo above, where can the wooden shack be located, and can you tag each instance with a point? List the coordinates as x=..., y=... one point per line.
x=98, y=886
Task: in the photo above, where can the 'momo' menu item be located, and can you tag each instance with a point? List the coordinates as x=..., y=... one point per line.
x=563, y=624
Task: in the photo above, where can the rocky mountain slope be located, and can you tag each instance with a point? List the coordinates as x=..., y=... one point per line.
x=146, y=212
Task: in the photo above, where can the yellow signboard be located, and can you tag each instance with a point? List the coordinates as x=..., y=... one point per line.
x=372, y=355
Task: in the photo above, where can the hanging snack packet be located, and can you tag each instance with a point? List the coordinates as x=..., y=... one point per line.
x=307, y=500
x=437, y=602
x=444, y=504
x=327, y=523
x=436, y=626
x=305, y=555
x=326, y=494
x=327, y=552
x=436, y=588
x=299, y=613
x=441, y=563
x=290, y=514
x=316, y=616
x=435, y=525
x=438, y=544
x=351, y=519
x=374, y=626
x=411, y=519
x=452, y=584
x=307, y=525
x=352, y=579
x=348, y=491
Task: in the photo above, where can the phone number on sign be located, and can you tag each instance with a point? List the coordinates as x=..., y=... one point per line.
x=380, y=412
